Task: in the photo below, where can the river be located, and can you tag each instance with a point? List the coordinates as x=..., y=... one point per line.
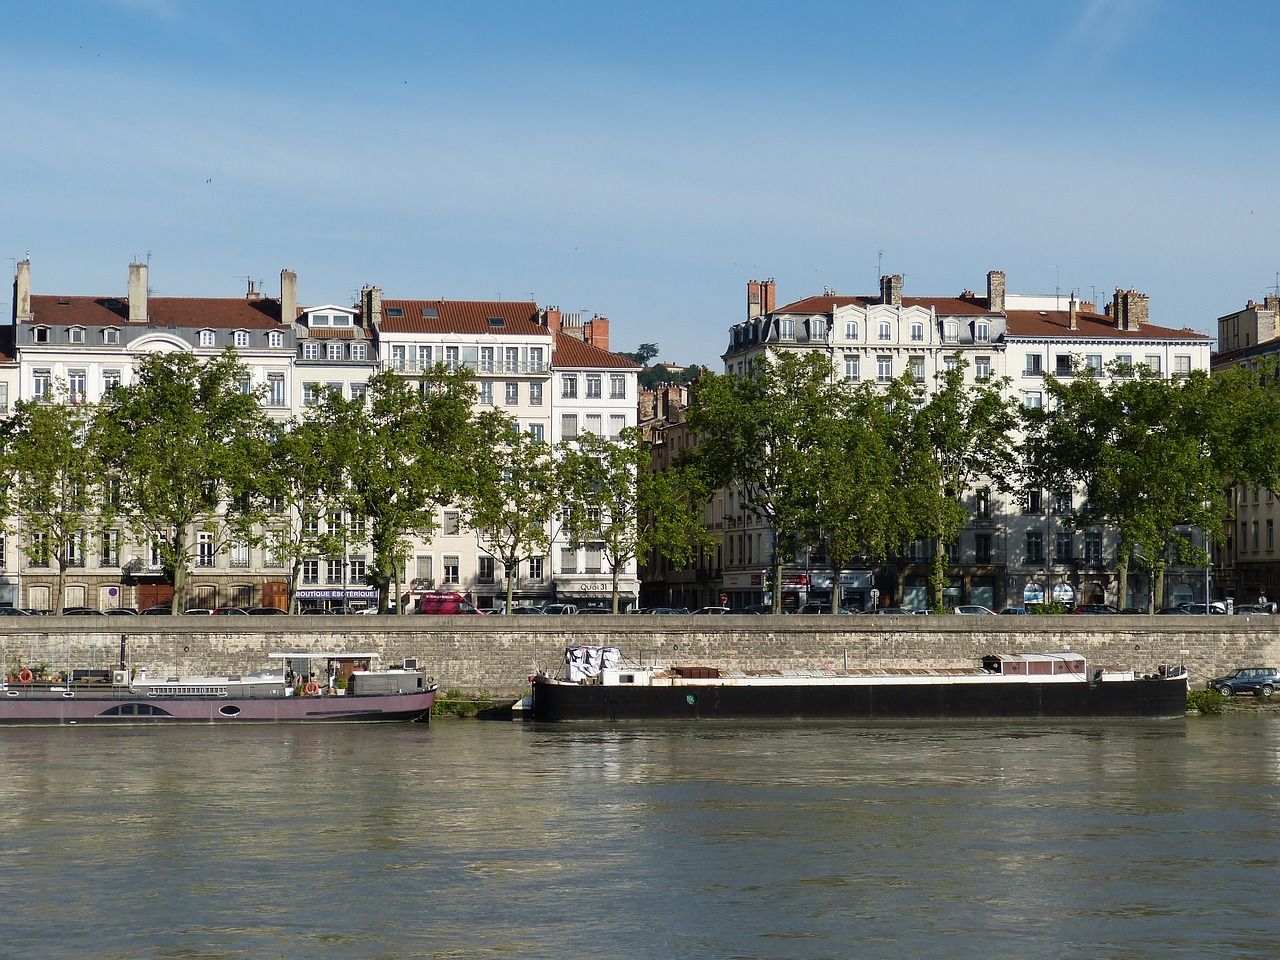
x=469, y=839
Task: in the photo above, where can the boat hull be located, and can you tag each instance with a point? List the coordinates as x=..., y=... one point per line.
x=57, y=708
x=558, y=701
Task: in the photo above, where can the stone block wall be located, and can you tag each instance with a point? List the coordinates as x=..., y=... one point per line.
x=498, y=654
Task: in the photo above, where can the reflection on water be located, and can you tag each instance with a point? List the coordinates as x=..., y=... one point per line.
x=469, y=839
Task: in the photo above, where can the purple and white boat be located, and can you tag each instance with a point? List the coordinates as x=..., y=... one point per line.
x=306, y=688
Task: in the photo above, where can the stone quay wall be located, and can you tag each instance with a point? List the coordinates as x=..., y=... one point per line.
x=497, y=654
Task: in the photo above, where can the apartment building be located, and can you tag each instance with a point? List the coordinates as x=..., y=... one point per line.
x=1015, y=549
x=75, y=348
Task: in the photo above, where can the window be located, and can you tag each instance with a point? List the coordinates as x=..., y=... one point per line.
x=4, y=398
x=111, y=335
x=110, y=552
x=422, y=568
x=617, y=387
x=275, y=339
x=512, y=393
x=851, y=366
x=1182, y=366
x=310, y=350
x=982, y=368
x=334, y=351
x=982, y=503
x=593, y=423
x=884, y=369
x=358, y=391
x=75, y=335
x=851, y=330
x=240, y=338
x=1033, y=501
x=77, y=386
x=535, y=394
x=1062, y=502
x=311, y=571
x=786, y=330
x=592, y=558
x=40, y=335
x=535, y=568
x=451, y=358
x=1032, y=400
x=1093, y=548
x=886, y=330
x=917, y=333
x=356, y=570
x=240, y=555
x=982, y=547
x=916, y=365
x=359, y=350
x=486, y=571
x=568, y=425
x=1062, y=546
x=450, y=569
x=206, y=338
x=1152, y=362
x=982, y=332
x=318, y=320
x=204, y=549
x=951, y=331
x=535, y=360
x=568, y=560
x=1062, y=365
x=817, y=329
x=275, y=389
x=452, y=523
x=617, y=423
x=511, y=359
x=1093, y=364
x=536, y=433
x=486, y=359
x=425, y=355
x=1035, y=365
x=333, y=570
x=594, y=386
x=75, y=551
x=1035, y=546
x=1271, y=535
x=42, y=385
x=486, y=393
x=312, y=394
x=398, y=360
x=1124, y=364
x=569, y=386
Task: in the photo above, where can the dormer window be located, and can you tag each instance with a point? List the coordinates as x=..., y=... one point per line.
x=886, y=330
x=310, y=350
x=39, y=334
x=917, y=333
x=319, y=320
x=851, y=330
x=359, y=351
x=275, y=339
x=76, y=335
x=786, y=329
x=206, y=338
x=951, y=331
x=111, y=335
x=817, y=329
x=242, y=338
x=335, y=350
x=982, y=332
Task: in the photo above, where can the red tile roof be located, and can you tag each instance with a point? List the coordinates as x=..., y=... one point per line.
x=1057, y=324
x=463, y=316
x=572, y=352
x=231, y=313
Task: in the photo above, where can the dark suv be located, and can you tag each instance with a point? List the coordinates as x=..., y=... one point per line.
x=1263, y=680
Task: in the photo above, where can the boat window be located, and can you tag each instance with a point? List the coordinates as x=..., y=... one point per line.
x=626, y=678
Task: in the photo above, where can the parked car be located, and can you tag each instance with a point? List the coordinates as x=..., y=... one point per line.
x=892, y=612
x=711, y=611
x=159, y=610
x=80, y=612
x=664, y=610
x=446, y=603
x=756, y=608
x=595, y=611
x=13, y=612
x=973, y=610
x=198, y=612
x=527, y=611
x=1216, y=608
x=1263, y=680
x=1014, y=612
x=1252, y=609
x=121, y=612
x=560, y=609
x=228, y=612
x=1096, y=608
x=314, y=611
x=265, y=611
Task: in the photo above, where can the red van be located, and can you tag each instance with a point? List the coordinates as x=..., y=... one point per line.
x=445, y=603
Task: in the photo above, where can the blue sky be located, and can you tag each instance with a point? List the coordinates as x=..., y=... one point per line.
x=644, y=161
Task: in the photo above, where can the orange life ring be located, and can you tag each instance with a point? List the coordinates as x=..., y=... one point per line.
x=25, y=675
x=313, y=689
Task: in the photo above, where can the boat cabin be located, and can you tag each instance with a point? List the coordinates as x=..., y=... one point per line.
x=1034, y=664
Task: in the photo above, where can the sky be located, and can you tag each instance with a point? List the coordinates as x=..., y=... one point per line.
x=643, y=162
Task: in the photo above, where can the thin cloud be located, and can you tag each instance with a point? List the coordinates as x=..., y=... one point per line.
x=1102, y=29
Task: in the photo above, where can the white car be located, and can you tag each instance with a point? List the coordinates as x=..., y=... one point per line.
x=974, y=609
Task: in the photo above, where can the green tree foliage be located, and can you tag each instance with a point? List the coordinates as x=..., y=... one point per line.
x=515, y=501
x=612, y=498
x=186, y=444
x=1153, y=455
x=53, y=478
x=406, y=452
x=642, y=354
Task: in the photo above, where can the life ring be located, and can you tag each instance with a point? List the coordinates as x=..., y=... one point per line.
x=312, y=689
x=25, y=675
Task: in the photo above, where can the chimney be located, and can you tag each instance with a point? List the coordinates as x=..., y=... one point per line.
x=753, y=299
x=768, y=296
x=288, y=297
x=1130, y=309
x=553, y=319
x=253, y=294
x=596, y=332
x=995, y=291
x=22, y=292
x=891, y=290
x=371, y=307
x=1072, y=323
x=138, y=293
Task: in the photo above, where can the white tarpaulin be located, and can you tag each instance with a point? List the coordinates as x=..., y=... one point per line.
x=582, y=663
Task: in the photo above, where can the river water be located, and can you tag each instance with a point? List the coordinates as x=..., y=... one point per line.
x=469, y=839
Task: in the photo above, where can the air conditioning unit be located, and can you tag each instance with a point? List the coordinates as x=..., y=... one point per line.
x=411, y=663
x=120, y=677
